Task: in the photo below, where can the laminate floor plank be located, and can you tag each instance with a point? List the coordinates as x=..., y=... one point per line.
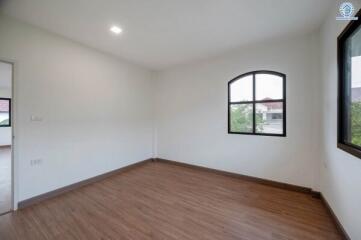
x=164, y=201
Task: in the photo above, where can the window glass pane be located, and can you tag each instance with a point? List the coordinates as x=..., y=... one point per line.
x=242, y=89
x=353, y=86
x=4, y=112
x=269, y=117
x=241, y=118
x=268, y=87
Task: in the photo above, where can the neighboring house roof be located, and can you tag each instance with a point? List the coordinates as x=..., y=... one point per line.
x=4, y=106
x=356, y=94
x=272, y=105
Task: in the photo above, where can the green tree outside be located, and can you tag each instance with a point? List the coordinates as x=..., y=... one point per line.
x=356, y=123
x=242, y=119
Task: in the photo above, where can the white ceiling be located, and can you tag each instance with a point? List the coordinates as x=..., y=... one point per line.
x=162, y=33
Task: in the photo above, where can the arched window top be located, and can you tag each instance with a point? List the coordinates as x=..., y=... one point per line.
x=258, y=72
x=257, y=103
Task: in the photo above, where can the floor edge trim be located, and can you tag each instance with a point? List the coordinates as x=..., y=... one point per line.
x=34, y=200
x=340, y=227
x=39, y=198
x=267, y=182
x=263, y=181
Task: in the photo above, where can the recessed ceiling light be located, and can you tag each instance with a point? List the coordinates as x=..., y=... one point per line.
x=116, y=30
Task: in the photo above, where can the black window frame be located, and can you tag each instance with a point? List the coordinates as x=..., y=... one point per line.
x=7, y=99
x=254, y=102
x=342, y=88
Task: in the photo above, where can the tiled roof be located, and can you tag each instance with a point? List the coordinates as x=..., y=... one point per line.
x=272, y=105
x=4, y=105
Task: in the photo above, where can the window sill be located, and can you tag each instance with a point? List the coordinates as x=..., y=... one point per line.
x=259, y=134
x=349, y=149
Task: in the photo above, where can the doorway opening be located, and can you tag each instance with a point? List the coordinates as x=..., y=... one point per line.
x=6, y=137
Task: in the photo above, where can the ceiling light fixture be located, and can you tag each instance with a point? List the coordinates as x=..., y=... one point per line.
x=116, y=30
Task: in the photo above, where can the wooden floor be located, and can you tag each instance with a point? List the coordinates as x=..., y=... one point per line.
x=164, y=201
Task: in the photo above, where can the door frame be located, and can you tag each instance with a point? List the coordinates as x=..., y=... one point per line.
x=14, y=204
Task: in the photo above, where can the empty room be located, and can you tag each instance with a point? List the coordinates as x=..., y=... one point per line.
x=170, y=119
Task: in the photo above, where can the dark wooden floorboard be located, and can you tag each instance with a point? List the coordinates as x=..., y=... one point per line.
x=164, y=201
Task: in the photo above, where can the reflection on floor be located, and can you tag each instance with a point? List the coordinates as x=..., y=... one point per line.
x=5, y=179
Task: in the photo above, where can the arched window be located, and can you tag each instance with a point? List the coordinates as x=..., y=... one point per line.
x=257, y=104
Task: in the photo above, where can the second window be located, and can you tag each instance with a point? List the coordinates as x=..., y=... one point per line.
x=257, y=104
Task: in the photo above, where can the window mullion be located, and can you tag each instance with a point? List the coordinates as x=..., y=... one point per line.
x=254, y=103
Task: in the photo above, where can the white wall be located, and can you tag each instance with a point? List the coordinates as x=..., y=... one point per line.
x=340, y=171
x=97, y=115
x=96, y=110
x=192, y=114
x=5, y=92
x=5, y=136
